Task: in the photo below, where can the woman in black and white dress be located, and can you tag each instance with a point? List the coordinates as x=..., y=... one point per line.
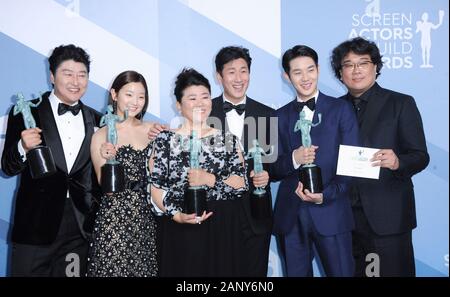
x=208, y=245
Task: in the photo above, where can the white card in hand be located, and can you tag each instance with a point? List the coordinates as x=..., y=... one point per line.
x=354, y=161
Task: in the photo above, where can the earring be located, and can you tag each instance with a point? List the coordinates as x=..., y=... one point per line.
x=114, y=106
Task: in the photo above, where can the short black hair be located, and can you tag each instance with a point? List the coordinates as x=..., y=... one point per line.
x=189, y=77
x=68, y=52
x=231, y=53
x=127, y=77
x=298, y=51
x=359, y=46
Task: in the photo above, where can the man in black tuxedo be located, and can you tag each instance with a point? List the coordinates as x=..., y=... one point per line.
x=384, y=209
x=51, y=219
x=248, y=120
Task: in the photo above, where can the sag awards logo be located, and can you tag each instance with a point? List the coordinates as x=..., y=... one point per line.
x=397, y=34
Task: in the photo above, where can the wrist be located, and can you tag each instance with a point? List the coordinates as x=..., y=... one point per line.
x=176, y=216
x=211, y=180
x=396, y=164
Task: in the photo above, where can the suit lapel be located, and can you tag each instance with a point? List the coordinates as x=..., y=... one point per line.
x=85, y=151
x=50, y=133
x=373, y=109
x=250, y=112
x=321, y=107
x=217, y=112
x=293, y=116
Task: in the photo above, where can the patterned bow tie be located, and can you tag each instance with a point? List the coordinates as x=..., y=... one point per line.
x=63, y=108
x=227, y=106
x=311, y=104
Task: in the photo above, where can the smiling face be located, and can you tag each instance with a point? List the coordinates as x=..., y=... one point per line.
x=303, y=75
x=70, y=81
x=195, y=104
x=235, y=78
x=358, y=79
x=131, y=96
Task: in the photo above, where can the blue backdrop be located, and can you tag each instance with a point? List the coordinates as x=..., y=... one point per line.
x=158, y=38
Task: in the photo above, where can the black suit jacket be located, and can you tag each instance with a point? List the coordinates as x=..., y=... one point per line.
x=392, y=121
x=39, y=203
x=261, y=114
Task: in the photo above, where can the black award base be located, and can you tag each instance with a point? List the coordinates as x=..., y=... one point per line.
x=260, y=205
x=41, y=162
x=195, y=201
x=311, y=178
x=113, y=178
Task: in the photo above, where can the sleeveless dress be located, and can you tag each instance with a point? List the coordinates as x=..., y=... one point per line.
x=124, y=237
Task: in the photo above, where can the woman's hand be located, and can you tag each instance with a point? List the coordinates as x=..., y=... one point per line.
x=236, y=182
x=192, y=218
x=108, y=151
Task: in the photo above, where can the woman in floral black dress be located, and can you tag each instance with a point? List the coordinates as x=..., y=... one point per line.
x=209, y=245
x=123, y=241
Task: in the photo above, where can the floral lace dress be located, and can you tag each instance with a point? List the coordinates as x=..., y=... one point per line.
x=214, y=247
x=123, y=241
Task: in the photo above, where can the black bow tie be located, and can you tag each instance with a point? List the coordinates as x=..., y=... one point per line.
x=311, y=104
x=227, y=106
x=63, y=108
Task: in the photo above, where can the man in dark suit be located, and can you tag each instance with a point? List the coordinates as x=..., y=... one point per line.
x=51, y=213
x=384, y=209
x=248, y=120
x=301, y=218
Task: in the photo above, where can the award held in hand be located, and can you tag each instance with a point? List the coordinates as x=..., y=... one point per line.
x=40, y=158
x=309, y=174
x=195, y=197
x=113, y=176
x=260, y=203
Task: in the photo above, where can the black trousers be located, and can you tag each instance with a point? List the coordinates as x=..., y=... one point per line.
x=395, y=252
x=255, y=247
x=66, y=256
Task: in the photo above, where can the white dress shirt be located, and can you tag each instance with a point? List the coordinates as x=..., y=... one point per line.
x=234, y=120
x=309, y=114
x=70, y=129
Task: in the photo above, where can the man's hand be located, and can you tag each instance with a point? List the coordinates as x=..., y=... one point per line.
x=307, y=196
x=31, y=138
x=305, y=155
x=261, y=179
x=386, y=159
x=155, y=130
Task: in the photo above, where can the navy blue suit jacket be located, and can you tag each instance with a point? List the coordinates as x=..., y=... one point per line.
x=339, y=126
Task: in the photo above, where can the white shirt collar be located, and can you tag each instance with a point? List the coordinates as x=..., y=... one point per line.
x=243, y=101
x=316, y=95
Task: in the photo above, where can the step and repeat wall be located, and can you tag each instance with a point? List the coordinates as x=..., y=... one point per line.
x=159, y=38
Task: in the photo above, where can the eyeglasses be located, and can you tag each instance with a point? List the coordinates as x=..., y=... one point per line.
x=364, y=65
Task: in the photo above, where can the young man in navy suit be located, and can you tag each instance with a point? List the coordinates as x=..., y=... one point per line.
x=51, y=218
x=384, y=209
x=303, y=219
